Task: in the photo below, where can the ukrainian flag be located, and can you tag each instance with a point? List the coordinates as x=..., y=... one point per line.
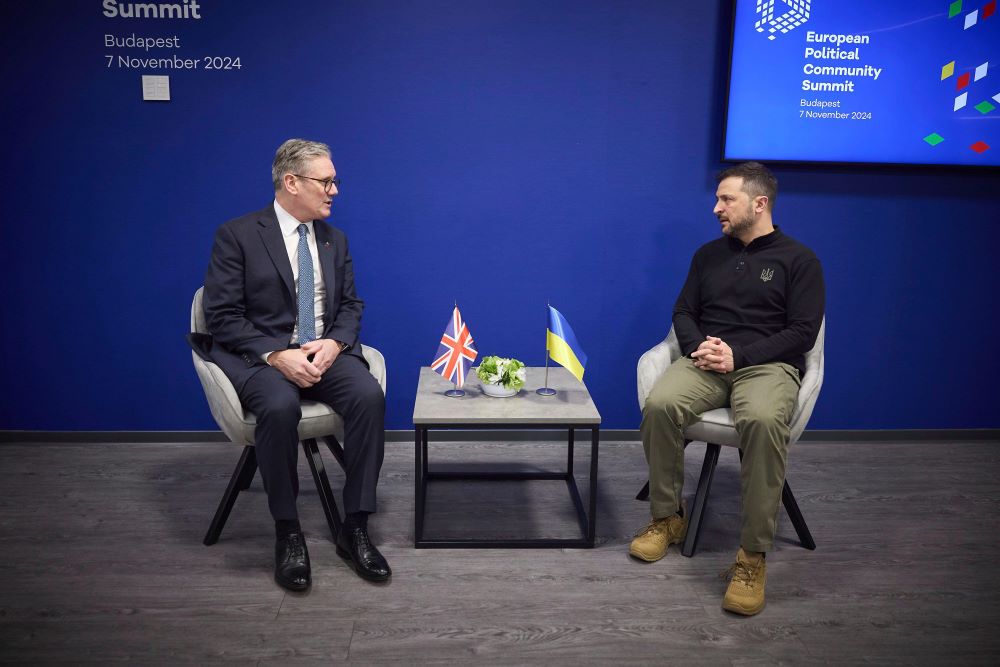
x=562, y=346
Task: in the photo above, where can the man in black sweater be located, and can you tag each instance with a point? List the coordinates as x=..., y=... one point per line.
x=750, y=309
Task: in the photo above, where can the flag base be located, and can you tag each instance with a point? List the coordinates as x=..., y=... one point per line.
x=455, y=393
x=546, y=391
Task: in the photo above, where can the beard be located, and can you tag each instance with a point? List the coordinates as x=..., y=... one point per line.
x=738, y=225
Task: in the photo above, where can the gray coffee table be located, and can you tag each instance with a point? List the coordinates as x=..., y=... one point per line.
x=570, y=409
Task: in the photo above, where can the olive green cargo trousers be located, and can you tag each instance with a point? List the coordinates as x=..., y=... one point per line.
x=762, y=398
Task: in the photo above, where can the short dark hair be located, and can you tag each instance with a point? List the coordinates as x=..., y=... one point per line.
x=757, y=180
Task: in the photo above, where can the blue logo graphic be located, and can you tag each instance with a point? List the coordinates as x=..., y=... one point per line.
x=797, y=14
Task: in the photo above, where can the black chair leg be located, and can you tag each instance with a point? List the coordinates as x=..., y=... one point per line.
x=701, y=498
x=315, y=460
x=798, y=521
x=242, y=476
x=336, y=450
x=246, y=478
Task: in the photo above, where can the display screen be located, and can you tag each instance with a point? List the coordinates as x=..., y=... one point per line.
x=856, y=81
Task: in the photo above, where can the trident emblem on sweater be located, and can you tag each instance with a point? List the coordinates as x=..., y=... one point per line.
x=766, y=274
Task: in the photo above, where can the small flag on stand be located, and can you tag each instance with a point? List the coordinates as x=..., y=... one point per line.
x=560, y=341
x=455, y=353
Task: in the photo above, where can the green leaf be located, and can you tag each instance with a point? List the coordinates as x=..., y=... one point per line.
x=504, y=371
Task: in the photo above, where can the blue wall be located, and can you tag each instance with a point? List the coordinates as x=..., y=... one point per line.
x=500, y=153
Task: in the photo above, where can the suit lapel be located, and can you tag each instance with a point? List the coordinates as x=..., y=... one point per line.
x=270, y=234
x=327, y=252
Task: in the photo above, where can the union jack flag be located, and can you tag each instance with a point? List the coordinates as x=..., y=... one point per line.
x=456, y=352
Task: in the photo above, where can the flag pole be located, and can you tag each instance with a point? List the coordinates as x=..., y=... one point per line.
x=545, y=390
x=456, y=392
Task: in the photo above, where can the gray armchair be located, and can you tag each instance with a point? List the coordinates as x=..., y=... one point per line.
x=715, y=428
x=319, y=421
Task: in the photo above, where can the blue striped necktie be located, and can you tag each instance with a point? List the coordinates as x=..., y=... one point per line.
x=307, y=316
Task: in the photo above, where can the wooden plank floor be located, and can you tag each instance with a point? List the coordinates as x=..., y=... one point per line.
x=103, y=562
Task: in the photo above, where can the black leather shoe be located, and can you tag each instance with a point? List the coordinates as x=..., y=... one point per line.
x=354, y=546
x=291, y=562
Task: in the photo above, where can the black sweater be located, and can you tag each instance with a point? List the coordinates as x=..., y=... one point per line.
x=765, y=300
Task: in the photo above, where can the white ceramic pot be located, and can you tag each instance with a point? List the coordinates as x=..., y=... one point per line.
x=497, y=390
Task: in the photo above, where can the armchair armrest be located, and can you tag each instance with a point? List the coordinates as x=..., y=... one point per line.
x=376, y=364
x=653, y=363
x=222, y=400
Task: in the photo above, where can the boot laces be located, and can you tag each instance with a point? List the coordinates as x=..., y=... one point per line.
x=742, y=573
x=655, y=526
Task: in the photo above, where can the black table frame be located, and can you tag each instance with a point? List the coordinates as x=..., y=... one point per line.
x=423, y=475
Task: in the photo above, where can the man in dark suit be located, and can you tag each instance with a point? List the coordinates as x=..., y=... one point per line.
x=284, y=316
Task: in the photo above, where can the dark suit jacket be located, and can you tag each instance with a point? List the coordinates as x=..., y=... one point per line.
x=249, y=299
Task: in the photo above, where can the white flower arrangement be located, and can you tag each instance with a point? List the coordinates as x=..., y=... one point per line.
x=507, y=373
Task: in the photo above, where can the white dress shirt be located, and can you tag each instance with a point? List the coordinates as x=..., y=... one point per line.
x=290, y=235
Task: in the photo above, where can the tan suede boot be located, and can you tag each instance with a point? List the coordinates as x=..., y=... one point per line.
x=748, y=575
x=650, y=543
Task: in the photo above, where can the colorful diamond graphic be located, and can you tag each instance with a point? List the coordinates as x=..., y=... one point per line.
x=947, y=70
x=980, y=146
x=984, y=107
x=954, y=9
x=933, y=138
x=981, y=70
x=989, y=9
x=961, y=101
x=971, y=18
x=962, y=81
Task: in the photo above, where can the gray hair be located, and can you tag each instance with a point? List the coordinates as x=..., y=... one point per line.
x=292, y=156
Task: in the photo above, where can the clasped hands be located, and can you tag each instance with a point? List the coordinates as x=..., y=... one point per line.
x=294, y=363
x=713, y=355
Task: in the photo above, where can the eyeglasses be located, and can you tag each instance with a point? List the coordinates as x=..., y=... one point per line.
x=328, y=183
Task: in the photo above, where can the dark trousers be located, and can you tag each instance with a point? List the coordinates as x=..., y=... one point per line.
x=353, y=393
